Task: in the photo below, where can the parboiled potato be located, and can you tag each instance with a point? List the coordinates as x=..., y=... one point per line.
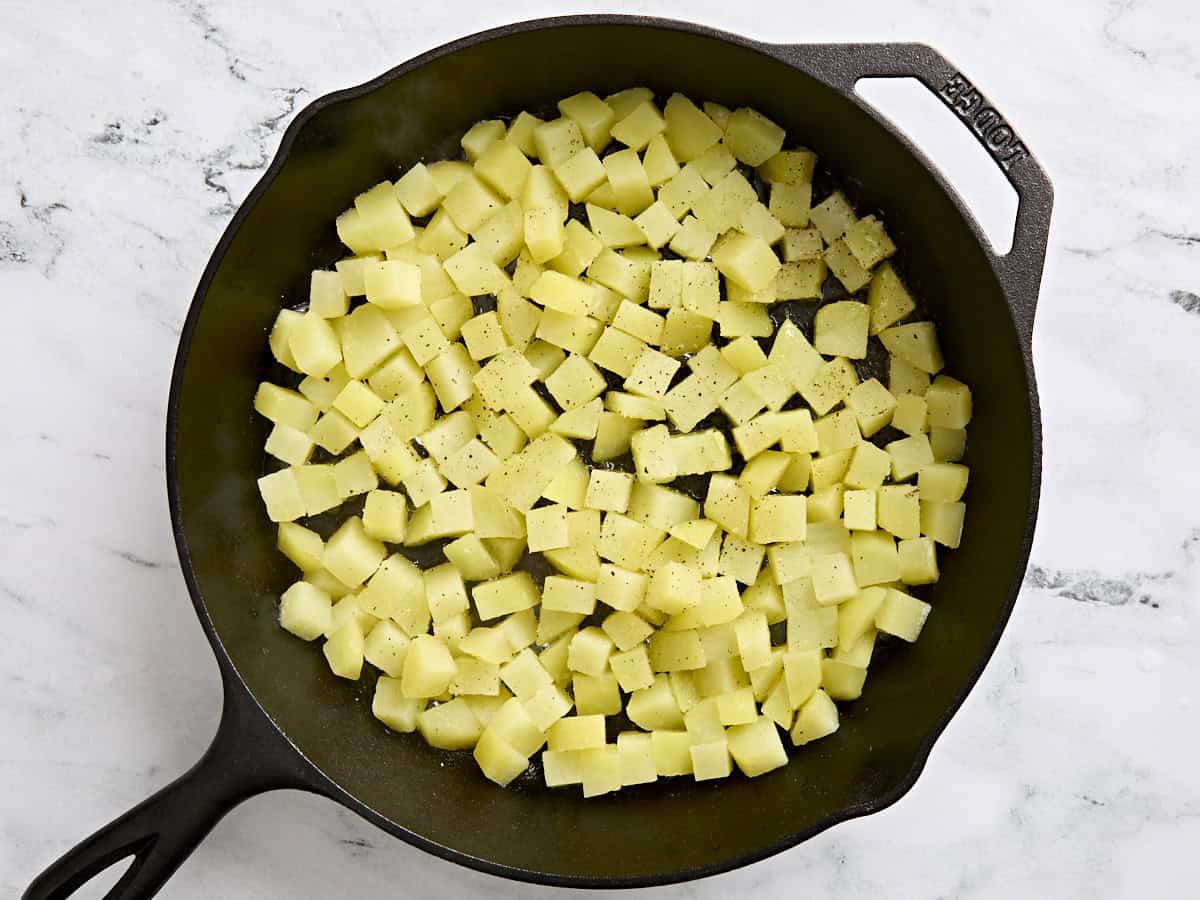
x=526, y=380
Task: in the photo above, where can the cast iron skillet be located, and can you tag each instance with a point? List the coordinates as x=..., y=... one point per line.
x=288, y=723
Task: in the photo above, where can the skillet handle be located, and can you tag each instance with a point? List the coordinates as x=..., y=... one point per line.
x=247, y=757
x=842, y=65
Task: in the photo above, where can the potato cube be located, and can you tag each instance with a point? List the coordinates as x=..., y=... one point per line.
x=711, y=759
x=474, y=272
x=714, y=163
x=382, y=217
x=657, y=224
x=756, y=747
x=397, y=591
x=904, y=378
x=344, y=650
x=943, y=522
x=635, y=752
x=841, y=679
x=525, y=676
x=289, y=445
x=902, y=615
x=386, y=647
x=911, y=415
x=470, y=464
x=875, y=558
x=626, y=629
x=833, y=216
x=738, y=318
x=693, y=240
x=609, y=491
x=576, y=733
x=741, y=560
x=672, y=752
x=721, y=209
x=280, y=336
x=509, y=594
x=778, y=517
x=918, y=561
x=789, y=167
x=351, y=555
x=614, y=229
x=498, y=760
x=833, y=578
x=673, y=588
x=547, y=527
x=471, y=556
x=503, y=167
x=858, y=509
x=569, y=595
x=301, y=545
x=688, y=130
x=305, y=611
x=752, y=137
x=869, y=242
x=720, y=601
x=392, y=708
x=899, y=510
x=631, y=187
x=596, y=694
x=672, y=651
x=728, y=505
x=449, y=726
x=620, y=588
x=581, y=174
x=353, y=475
x=685, y=332
x=888, y=299
x=314, y=345
x=428, y=668
x=549, y=704
x=594, y=117
x=909, y=455
x=639, y=322
x=841, y=263
x=368, y=338
x=790, y=203
x=326, y=298
x=916, y=344
x=942, y=482
x=949, y=402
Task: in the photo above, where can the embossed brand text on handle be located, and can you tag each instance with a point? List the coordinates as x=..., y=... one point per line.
x=995, y=133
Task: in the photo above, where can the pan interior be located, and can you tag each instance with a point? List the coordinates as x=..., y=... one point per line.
x=656, y=831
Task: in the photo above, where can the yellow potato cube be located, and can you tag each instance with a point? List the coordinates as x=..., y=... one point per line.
x=351, y=555
x=576, y=382
x=916, y=344
x=777, y=518
x=763, y=473
x=685, y=332
x=609, y=491
x=576, y=733
x=673, y=651
x=672, y=752
x=474, y=272
x=358, y=403
x=841, y=263
x=943, y=522
x=721, y=209
x=635, y=752
x=498, y=760
x=581, y=174
x=594, y=117
x=305, y=611
x=801, y=280
x=509, y=594
x=942, y=482
x=949, y=402
x=620, y=588
x=596, y=694
x=818, y=718
x=700, y=452
x=904, y=378
x=569, y=595
x=899, y=510
x=902, y=615
x=688, y=130
x=869, y=242
x=728, y=505
x=386, y=647
x=423, y=483
x=484, y=336
x=875, y=558
x=657, y=224
x=693, y=240
x=368, y=338
x=344, y=650
x=833, y=578
x=911, y=414
x=711, y=759
x=289, y=445
x=392, y=708
x=909, y=455
x=740, y=559
x=631, y=187
x=449, y=726
x=314, y=345
x=636, y=129
x=353, y=476
x=525, y=676
x=752, y=137
x=470, y=555
x=887, y=297
x=714, y=163
x=790, y=204
x=653, y=456
x=428, y=668
x=547, y=706
x=397, y=591
x=614, y=229
x=858, y=509
x=918, y=561
x=547, y=527
x=301, y=545
x=749, y=261
x=503, y=167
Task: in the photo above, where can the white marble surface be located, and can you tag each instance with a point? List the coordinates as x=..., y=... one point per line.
x=130, y=133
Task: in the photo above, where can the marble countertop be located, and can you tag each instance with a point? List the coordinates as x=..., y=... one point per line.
x=131, y=133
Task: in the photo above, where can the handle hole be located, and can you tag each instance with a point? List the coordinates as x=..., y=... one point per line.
x=948, y=144
x=98, y=886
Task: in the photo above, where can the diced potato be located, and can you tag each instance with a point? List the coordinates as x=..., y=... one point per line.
x=505, y=595
x=916, y=344
x=943, y=522
x=949, y=403
x=899, y=511
x=902, y=615
x=909, y=455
